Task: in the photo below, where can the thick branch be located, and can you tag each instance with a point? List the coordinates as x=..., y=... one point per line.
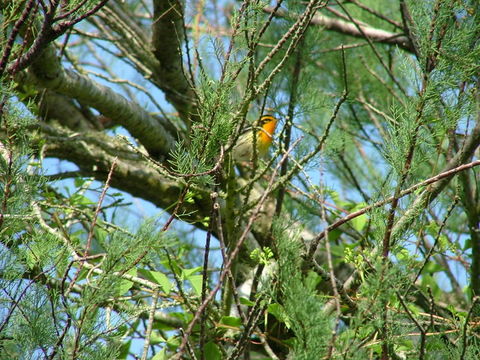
x=375, y=35
x=94, y=154
x=49, y=73
x=167, y=35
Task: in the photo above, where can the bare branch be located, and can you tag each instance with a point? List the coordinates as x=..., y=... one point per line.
x=149, y=131
x=341, y=26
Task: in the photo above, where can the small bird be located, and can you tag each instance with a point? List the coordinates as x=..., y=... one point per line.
x=243, y=149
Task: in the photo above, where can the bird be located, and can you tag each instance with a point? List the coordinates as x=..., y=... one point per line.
x=243, y=149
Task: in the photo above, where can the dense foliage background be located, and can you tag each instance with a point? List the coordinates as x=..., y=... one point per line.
x=128, y=232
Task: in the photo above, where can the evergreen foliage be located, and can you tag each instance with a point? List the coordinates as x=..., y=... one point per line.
x=128, y=231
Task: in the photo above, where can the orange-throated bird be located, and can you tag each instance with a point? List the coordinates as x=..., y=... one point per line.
x=243, y=149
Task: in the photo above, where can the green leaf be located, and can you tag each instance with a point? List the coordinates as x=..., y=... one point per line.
x=156, y=338
x=414, y=309
x=83, y=274
x=231, y=321
x=161, y=355
x=405, y=345
x=245, y=301
x=312, y=280
x=432, y=229
x=432, y=267
x=185, y=317
x=429, y=281
x=205, y=221
x=443, y=243
x=262, y=256
x=78, y=199
x=335, y=196
x=158, y=278
x=338, y=250
x=278, y=311
x=124, y=284
x=100, y=235
x=187, y=272
x=403, y=255
x=79, y=182
x=190, y=197
x=334, y=234
x=173, y=342
x=173, y=265
x=359, y=222
x=124, y=350
x=212, y=352
x=196, y=281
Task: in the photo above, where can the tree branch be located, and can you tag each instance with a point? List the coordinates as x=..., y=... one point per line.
x=167, y=32
x=48, y=72
x=375, y=35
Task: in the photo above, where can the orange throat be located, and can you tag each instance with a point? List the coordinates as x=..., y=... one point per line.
x=267, y=131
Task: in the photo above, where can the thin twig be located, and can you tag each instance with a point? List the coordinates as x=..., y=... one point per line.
x=402, y=193
x=203, y=319
x=465, y=326
x=151, y=316
x=288, y=126
x=344, y=27
x=377, y=14
x=7, y=47
x=233, y=255
x=336, y=296
x=419, y=326
x=372, y=46
x=437, y=238
x=92, y=227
